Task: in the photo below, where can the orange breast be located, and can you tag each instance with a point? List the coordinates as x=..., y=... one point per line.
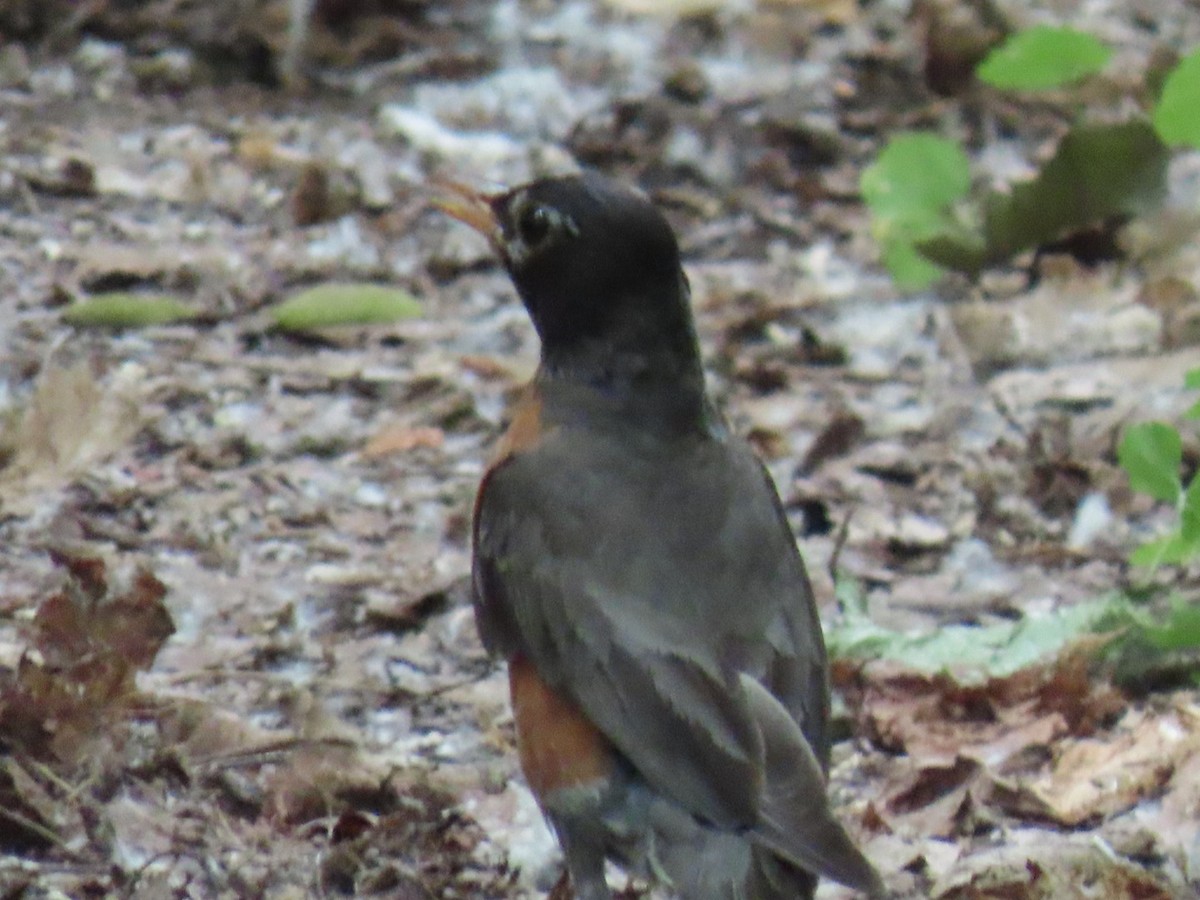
x=559, y=747
x=525, y=429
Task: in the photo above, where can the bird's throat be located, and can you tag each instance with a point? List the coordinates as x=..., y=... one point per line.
x=654, y=388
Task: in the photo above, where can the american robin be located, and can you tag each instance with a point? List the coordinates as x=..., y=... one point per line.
x=633, y=564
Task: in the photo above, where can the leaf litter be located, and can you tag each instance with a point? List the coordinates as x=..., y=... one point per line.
x=323, y=719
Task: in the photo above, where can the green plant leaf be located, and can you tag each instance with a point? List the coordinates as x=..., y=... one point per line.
x=1175, y=117
x=917, y=171
x=1192, y=381
x=909, y=269
x=976, y=652
x=1138, y=641
x=910, y=189
x=126, y=309
x=1151, y=453
x=1042, y=58
x=959, y=250
x=1172, y=550
x=1154, y=646
x=1098, y=172
x=1181, y=628
x=1189, y=511
x=333, y=304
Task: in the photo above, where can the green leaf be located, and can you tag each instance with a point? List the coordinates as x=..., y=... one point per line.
x=1189, y=511
x=1192, y=381
x=1042, y=58
x=1172, y=550
x=958, y=250
x=1175, y=118
x=1151, y=453
x=974, y=652
x=910, y=189
x=1158, y=646
x=1098, y=171
x=328, y=305
x=909, y=269
x=126, y=309
x=1180, y=630
x=917, y=171
x=851, y=598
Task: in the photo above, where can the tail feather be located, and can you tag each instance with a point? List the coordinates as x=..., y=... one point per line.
x=703, y=863
x=795, y=821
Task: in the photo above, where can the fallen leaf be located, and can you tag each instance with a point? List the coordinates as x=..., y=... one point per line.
x=1100, y=776
x=87, y=648
x=1028, y=867
x=406, y=613
x=73, y=421
x=322, y=780
x=403, y=438
x=490, y=368
x=975, y=653
x=124, y=309
x=934, y=800
x=334, y=304
x=837, y=438
x=937, y=718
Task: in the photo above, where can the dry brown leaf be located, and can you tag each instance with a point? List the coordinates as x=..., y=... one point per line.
x=260, y=151
x=72, y=422
x=935, y=800
x=403, y=438
x=321, y=780
x=840, y=435
x=80, y=622
x=963, y=741
x=833, y=12
x=87, y=648
x=1030, y=868
x=203, y=733
x=956, y=36
x=935, y=719
x=1176, y=821
x=103, y=264
x=491, y=368
x=1097, y=777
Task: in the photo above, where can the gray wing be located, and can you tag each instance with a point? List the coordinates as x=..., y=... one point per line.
x=798, y=674
x=568, y=573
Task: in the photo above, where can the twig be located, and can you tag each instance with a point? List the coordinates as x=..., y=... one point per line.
x=40, y=830
x=274, y=748
x=838, y=543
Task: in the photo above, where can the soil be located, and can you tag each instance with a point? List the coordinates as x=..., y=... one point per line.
x=322, y=720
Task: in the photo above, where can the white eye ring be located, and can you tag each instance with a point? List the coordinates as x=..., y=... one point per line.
x=535, y=226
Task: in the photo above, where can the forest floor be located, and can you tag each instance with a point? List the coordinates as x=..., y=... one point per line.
x=237, y=656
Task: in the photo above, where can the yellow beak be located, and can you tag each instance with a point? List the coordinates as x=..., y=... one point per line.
x=468, y=205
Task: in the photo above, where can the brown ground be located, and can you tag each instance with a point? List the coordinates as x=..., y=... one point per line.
x=322, y=721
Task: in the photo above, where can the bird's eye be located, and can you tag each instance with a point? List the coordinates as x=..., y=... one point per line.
x=534, y=224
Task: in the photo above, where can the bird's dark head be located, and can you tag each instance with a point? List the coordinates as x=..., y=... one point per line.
x=595, y=263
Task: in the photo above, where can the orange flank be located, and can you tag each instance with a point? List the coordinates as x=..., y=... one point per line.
x=558, y=746
x=525, y=429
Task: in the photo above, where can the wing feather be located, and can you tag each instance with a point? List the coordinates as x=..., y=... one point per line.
x=647, y=629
